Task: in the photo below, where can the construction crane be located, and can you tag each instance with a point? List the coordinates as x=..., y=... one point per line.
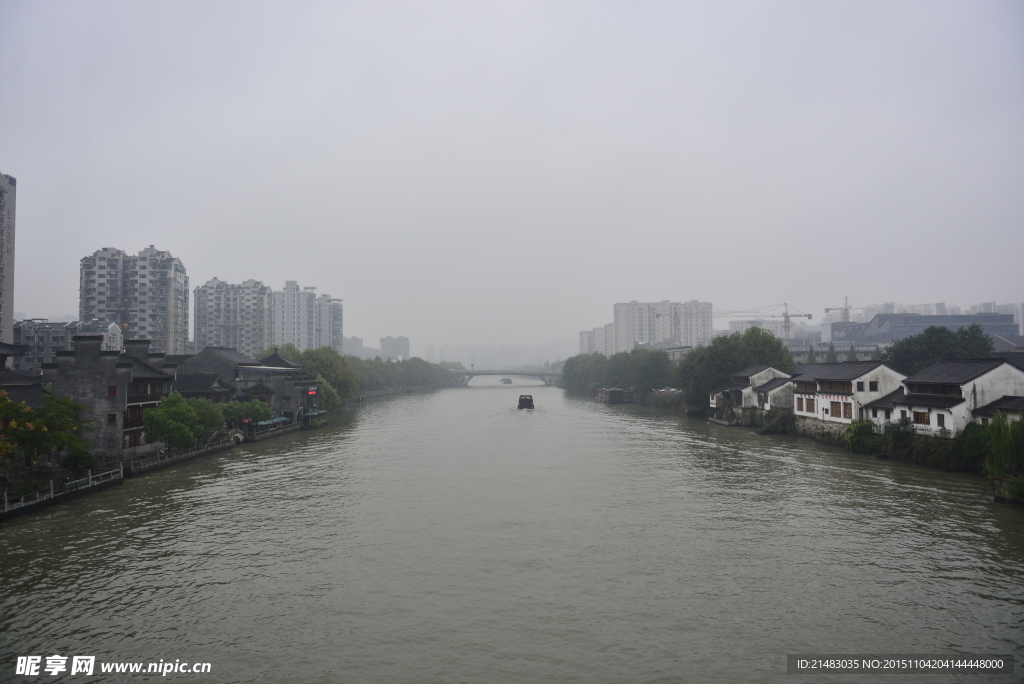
x=845, y=308
x=786, y=316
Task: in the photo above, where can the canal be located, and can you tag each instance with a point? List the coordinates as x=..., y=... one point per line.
x=448, y=537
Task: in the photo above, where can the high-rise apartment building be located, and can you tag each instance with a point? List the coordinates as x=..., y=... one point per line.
x=682, y=323
x=587, y=342
x=394, y=348
x=145, y=294
x=238, y=316
x=305, y=320
x=330, y=318
x=8, y=203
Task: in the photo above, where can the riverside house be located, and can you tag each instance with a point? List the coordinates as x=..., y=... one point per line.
x=948, y=395
x=743, y=395
x=115, y=387
x=836, y=393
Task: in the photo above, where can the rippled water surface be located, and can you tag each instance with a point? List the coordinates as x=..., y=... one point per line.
x=448, y=537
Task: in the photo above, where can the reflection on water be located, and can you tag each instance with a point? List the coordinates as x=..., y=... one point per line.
x=450, y=537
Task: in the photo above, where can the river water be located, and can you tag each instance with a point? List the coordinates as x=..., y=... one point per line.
x=448, y=537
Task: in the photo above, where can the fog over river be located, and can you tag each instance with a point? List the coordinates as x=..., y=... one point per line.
x=448, y=537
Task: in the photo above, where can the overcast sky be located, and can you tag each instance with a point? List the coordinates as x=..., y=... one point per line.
x=468, y=172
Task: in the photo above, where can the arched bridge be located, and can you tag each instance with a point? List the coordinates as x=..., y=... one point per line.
x=547, y=377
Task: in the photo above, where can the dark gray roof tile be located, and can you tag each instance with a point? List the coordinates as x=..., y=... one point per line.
x=955, y=371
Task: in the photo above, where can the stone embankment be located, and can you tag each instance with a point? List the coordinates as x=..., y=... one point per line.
x=131, y=467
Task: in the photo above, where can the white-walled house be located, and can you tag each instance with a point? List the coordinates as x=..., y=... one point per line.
x=740, y=392
x=777, y=393
x=838, y=392
x=946, y=394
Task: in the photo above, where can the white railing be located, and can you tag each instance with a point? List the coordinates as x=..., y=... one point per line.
x=165, y=457
x=67, y=488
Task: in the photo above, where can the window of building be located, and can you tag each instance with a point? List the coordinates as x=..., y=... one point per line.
x=860, y=385
x=874, y=413
x=112, y=391
x=847, y=410
x=921, y=418
x=799, y=403
x=941, y=419
x=836, y=409
x=888, y=414
x=111, y=417
x=810, y=405
x=873, y=386
x=903, y=414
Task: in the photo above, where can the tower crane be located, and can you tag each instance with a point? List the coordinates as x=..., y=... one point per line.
x=846, y=309
x=786, y=316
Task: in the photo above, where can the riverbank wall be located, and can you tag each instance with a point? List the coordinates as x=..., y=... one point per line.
x=59, y=493
x=131, y=467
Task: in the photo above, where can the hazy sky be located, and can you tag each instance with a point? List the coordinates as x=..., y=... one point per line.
x=462, y=172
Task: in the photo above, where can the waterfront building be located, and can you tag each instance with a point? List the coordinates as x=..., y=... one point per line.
x=305, y=320
x=887, y=328
x=234, y=315
x=8, y=214
x=145, y=294
x=394, y=348
x=947, y=395
x=743, y=390
x=114, y=387
x=44, y=339
x=835, y=393
x=280, y=383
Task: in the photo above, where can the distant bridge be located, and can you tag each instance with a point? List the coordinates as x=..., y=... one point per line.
x=547, y=377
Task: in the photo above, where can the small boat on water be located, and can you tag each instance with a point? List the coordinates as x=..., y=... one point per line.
x=507, y=381
x=610, y=395
x=526, y=401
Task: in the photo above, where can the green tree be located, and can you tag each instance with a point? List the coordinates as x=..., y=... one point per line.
x=831, y=356
x=210, y=415
x=876, y=355
x=173, y=421
x=25, y=433
x=706, y=368
x=936, y=343
x=852, y=354
x=811, y=358
x=332, y=366
x=329, y=399
x=253, y=410
x=60, y=415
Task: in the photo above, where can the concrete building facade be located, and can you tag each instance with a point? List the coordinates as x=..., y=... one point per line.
x=238, y=316
x=330, y=323
x=145, y=294
x=682, y=323
x=394, y=348
x=8, y=204
x=309, y=322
